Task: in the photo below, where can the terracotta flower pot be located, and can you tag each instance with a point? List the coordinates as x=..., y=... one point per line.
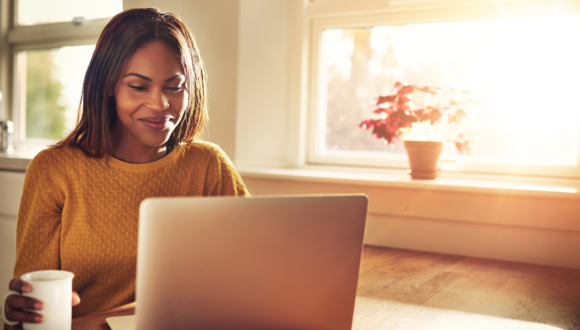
x=423, y=158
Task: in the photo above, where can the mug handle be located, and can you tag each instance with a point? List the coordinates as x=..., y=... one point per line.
x=4, y=308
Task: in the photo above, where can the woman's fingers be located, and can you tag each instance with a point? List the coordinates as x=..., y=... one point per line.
x=16, y=303
x=19, y=316
x=75, y=299
x=19, y=285
x=21, y=302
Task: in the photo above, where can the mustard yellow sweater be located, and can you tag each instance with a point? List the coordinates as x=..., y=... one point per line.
x=80, y=215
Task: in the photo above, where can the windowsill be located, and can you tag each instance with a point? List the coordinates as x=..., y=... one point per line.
x=18, y=159
x=451, y=182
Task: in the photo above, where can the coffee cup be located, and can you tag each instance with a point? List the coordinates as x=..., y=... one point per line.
x=54, y=289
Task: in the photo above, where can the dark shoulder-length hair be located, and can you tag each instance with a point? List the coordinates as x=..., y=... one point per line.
x=123, y=35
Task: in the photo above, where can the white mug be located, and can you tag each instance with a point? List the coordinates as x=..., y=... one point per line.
x=54, y=289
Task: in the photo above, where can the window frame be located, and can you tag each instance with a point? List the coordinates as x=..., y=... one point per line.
x=17, y=38
x=327, y=14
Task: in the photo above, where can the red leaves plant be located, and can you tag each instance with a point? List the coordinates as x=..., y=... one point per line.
x=397, y=114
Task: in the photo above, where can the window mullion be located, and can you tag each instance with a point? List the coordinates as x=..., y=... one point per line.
x=55, y=32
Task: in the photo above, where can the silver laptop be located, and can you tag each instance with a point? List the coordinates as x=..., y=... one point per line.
x=249, y=263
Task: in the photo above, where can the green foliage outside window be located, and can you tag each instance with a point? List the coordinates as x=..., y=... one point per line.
x=45, y=118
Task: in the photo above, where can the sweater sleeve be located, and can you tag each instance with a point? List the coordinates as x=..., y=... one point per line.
x=39, y=218
x=221, y=178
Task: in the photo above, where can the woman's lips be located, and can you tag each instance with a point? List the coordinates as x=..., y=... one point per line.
x=156, y=123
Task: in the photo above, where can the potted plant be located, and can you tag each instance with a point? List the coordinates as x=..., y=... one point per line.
x=424, y=130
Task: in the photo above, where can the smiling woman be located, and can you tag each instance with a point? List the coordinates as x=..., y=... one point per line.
x=143, y=106
x=151, y=99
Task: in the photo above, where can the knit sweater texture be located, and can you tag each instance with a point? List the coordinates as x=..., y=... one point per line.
x=81, y=214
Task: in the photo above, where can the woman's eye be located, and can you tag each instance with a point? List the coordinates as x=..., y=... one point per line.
x=138, y=88
x=175, y=88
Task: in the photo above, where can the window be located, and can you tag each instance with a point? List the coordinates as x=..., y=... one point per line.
x=50, y=44
x=519, y=63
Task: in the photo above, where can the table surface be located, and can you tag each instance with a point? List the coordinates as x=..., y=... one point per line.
x=400, y=289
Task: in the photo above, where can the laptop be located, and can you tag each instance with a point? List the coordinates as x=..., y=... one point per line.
x=249, y=263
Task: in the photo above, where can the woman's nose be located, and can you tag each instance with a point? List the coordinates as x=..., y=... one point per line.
x=157, y=101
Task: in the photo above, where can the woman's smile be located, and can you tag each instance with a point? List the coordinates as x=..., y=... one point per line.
x=156, y=123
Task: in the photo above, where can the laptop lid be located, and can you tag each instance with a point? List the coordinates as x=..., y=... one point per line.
x=249, y=263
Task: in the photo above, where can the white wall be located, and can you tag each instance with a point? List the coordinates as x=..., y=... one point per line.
x=263, y=84
x=215, y=27
x=503, y=226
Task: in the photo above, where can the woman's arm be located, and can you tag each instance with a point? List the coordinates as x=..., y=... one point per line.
x=222, y=178
x=38, y=230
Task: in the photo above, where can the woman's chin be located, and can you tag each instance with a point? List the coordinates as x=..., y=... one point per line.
x=155, y=141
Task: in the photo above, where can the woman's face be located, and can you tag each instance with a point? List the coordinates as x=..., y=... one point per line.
x=150, y=96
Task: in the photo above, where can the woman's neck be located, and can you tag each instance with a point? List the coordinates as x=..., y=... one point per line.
x=137, y=155
x=129, y=149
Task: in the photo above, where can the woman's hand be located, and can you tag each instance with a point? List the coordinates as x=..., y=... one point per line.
x=16, y=304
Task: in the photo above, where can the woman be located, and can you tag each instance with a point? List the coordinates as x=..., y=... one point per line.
x=143, y=105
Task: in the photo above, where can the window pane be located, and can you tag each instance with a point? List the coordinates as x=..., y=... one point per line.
x=54, y=80
x=44, y=11
x=523, y=72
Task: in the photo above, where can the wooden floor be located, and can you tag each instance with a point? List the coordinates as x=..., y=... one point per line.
x=401, y=289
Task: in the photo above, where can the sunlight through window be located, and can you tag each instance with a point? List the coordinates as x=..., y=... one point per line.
x=523, y=74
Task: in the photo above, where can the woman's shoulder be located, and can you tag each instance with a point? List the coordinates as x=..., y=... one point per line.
x=207, y=155
x=60, y=153
x=202, y=149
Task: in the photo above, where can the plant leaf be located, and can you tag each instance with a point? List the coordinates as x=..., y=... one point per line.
x=386, y=98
